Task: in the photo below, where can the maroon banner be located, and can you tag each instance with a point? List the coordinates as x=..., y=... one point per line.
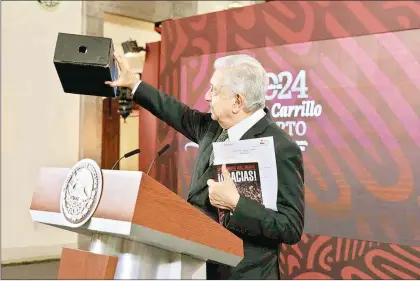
x=346, y=102
x=321, y=257
x=356, y=121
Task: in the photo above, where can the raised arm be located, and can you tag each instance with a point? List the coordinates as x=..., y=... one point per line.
x=189, y=122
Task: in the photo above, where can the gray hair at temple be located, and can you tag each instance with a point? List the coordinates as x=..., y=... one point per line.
x=244, y=75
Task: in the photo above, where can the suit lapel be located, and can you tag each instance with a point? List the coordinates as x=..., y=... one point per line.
x=259, y=127
x=201, y=183
x=203, y=170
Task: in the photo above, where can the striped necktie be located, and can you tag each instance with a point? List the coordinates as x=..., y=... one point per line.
x=223, y=137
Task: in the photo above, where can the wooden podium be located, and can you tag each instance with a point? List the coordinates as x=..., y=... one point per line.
x=140, y=230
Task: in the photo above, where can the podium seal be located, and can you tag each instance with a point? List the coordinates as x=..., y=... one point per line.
x=81, y=192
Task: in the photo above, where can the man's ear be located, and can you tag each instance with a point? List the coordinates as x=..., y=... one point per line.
x=238, y=104
x=240, y=101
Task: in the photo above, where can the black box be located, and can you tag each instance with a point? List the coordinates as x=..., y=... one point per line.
x=84, y=63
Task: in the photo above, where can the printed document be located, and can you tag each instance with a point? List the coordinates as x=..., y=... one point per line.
x=260, y=151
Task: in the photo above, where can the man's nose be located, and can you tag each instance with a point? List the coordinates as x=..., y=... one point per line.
x=207, y=96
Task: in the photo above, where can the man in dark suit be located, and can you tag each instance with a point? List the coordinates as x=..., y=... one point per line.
x=237, y=101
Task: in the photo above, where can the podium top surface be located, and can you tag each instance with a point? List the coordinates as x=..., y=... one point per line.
x=135, y=206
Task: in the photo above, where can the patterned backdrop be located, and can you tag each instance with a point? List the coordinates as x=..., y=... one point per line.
x=345, y=84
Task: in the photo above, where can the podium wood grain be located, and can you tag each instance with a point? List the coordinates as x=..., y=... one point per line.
x=79, y=265
x=137, y=198
x=171, y=215
x=135, y=206
x=118, y=198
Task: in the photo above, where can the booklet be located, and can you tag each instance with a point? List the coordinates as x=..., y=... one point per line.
x=253, y=168
x=246, y=177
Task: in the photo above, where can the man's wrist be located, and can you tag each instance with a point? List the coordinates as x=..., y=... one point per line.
x=134, y=87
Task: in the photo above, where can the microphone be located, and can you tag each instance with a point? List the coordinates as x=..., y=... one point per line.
x=128, y=154
x=131, y=153
x=160, y=152
x=163, y=150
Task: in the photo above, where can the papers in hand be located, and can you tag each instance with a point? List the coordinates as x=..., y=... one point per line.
x=258, y=152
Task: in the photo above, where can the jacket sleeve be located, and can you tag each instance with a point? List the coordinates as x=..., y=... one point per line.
x=285, y=225
x=191, y=123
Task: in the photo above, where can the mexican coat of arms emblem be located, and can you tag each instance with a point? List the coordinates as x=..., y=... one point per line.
x=81, y=192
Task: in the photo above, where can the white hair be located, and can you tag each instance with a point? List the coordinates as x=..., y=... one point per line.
x=244, y=75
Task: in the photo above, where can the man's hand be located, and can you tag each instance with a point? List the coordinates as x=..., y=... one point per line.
x=223, y=195
x=127, y=77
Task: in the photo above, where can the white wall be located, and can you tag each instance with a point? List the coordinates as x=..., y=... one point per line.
x=121, y=29
x=204, y=7
x=39, y=122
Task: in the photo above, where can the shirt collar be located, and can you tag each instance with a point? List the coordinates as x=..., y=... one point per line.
x=238, y=130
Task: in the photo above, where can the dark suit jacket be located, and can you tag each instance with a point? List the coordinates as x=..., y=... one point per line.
x=262, y=230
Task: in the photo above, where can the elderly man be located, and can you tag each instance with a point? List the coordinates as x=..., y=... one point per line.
x=237, y=101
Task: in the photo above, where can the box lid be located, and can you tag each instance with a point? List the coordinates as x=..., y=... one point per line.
x=82, y=49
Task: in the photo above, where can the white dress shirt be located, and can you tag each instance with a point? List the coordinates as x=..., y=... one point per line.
x=135, y=88
x=236, y=132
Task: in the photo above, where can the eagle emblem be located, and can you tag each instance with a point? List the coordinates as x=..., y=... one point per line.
x=81, y=192
x=49, y=3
